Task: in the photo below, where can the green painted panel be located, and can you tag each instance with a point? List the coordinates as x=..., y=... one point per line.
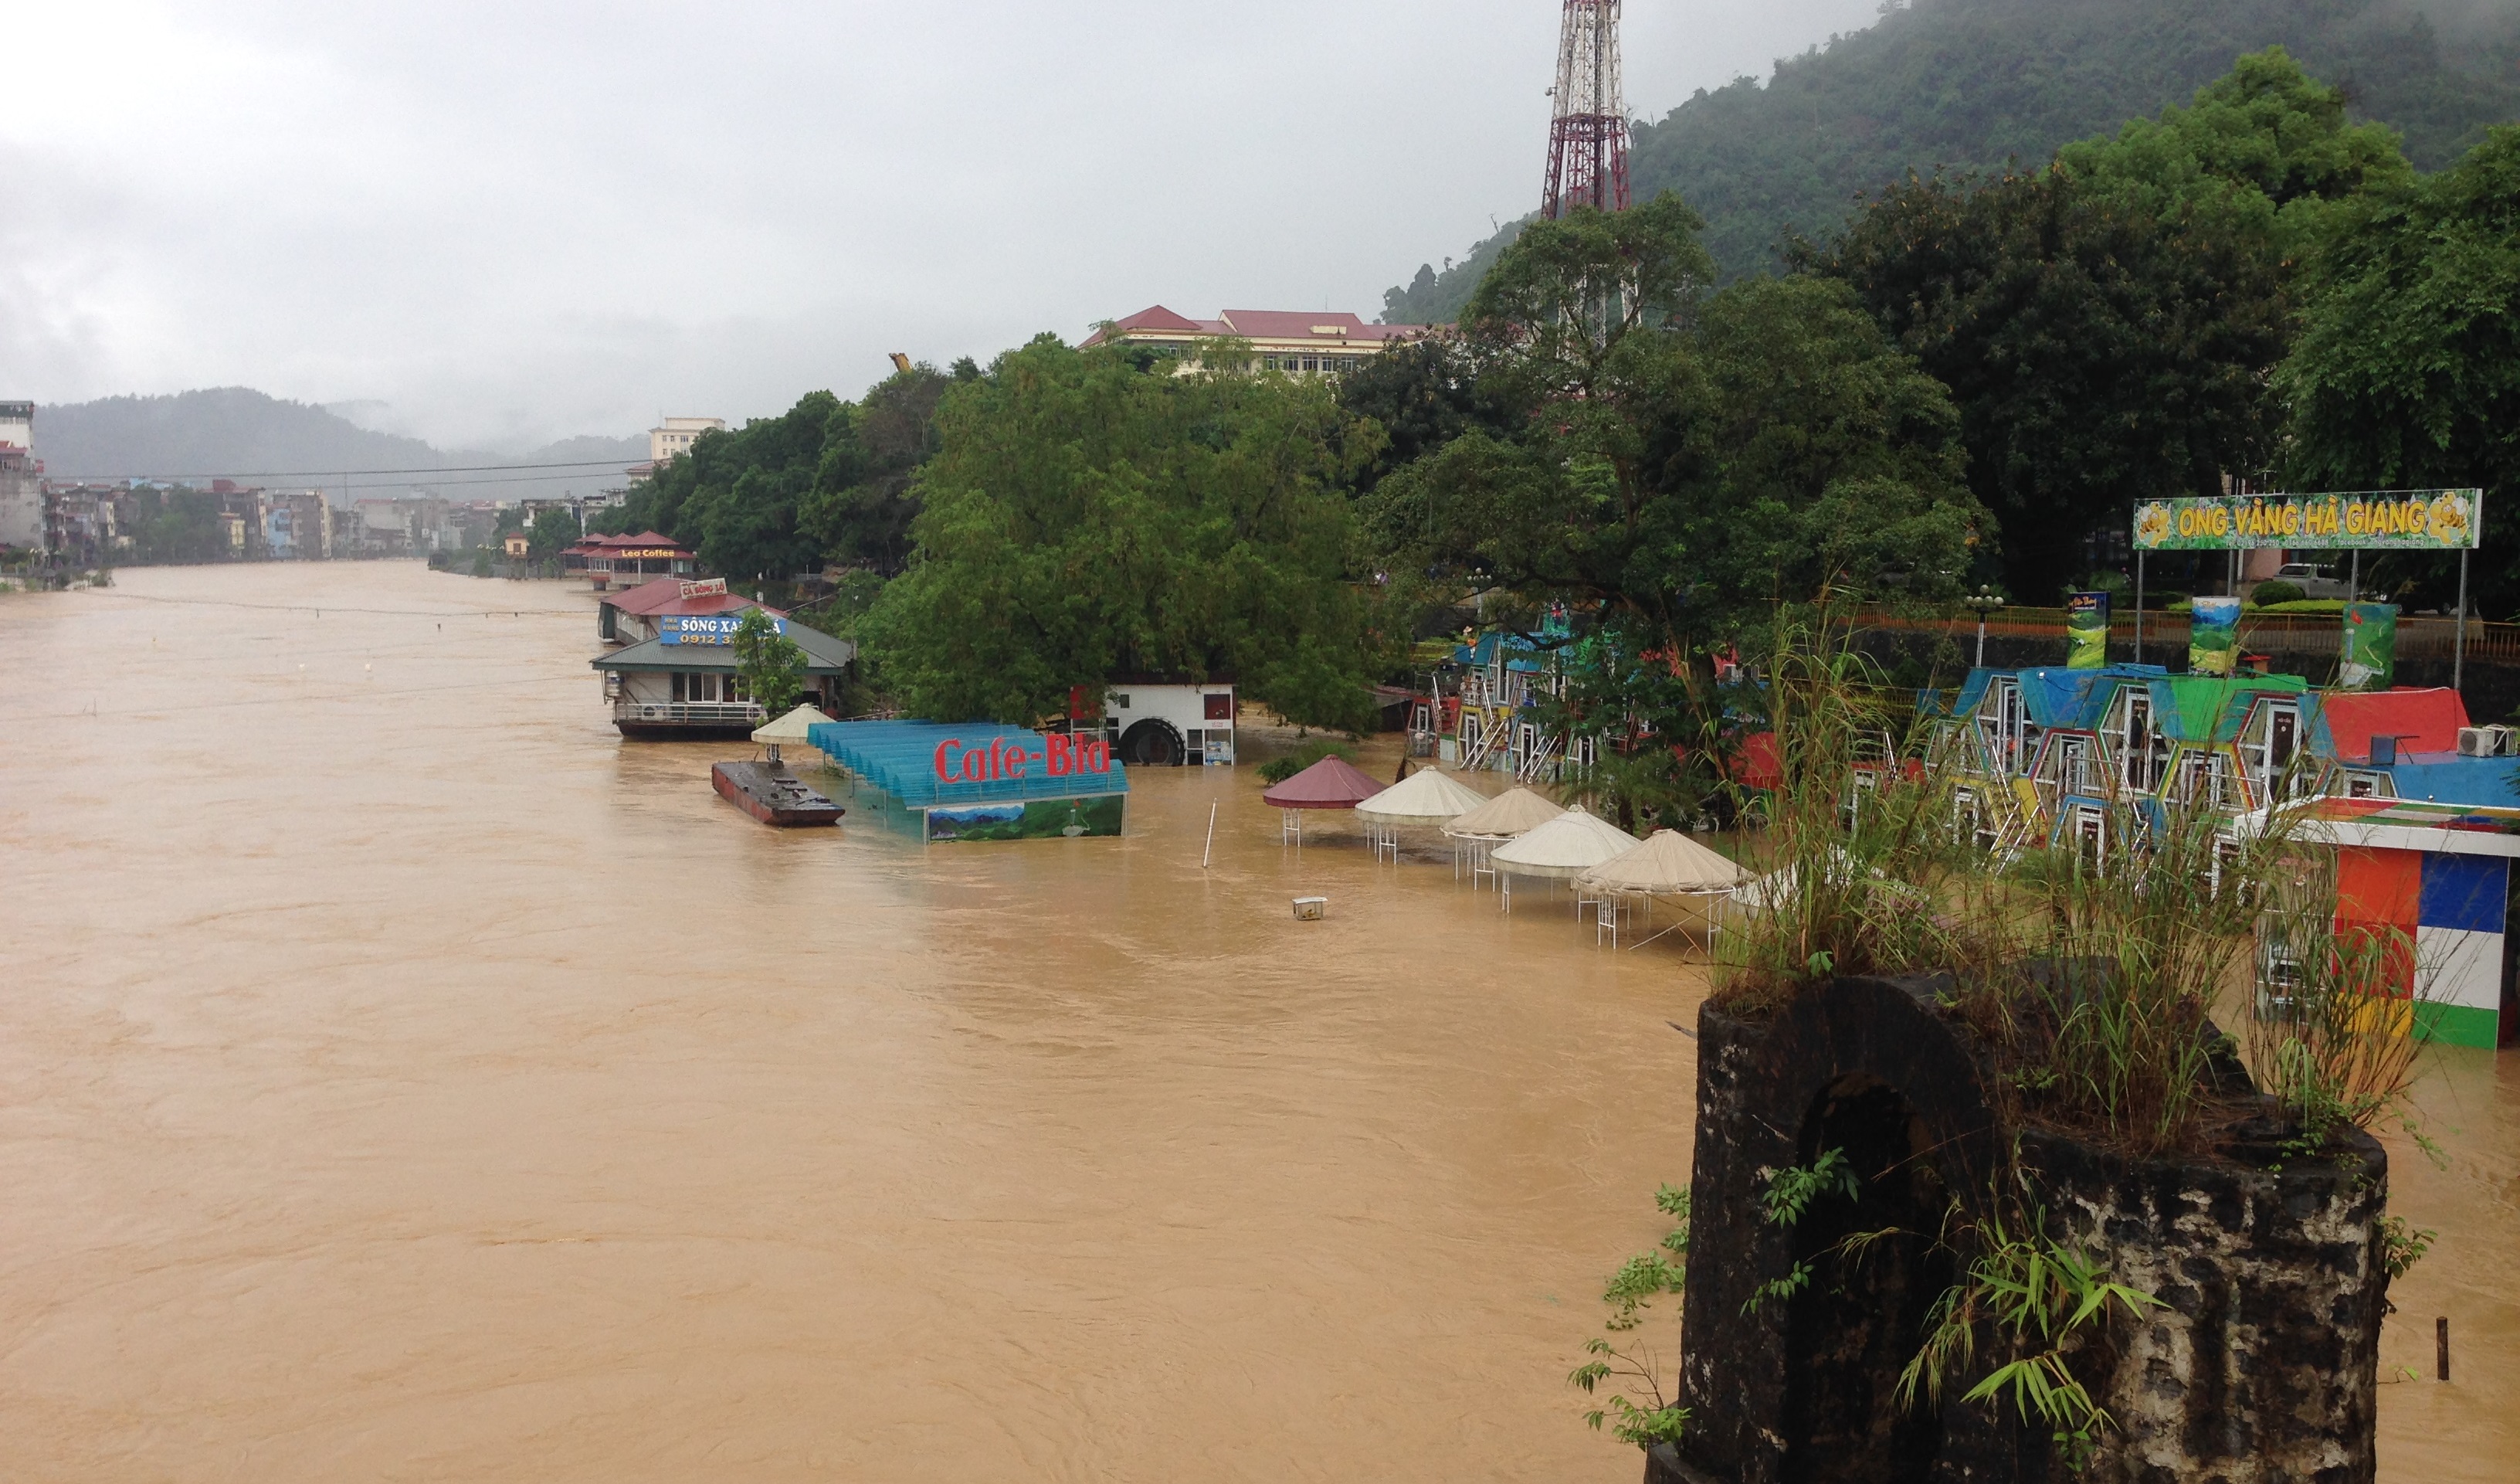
x=2458, y=1024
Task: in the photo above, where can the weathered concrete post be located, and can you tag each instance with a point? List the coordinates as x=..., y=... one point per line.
x=2259, y=1370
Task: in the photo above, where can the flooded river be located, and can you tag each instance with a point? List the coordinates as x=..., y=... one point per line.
x=401, y=1077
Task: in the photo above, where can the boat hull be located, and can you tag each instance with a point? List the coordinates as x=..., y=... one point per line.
x=686, y=730
x=772, y=794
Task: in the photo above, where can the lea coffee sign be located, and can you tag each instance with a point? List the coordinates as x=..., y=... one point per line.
x=1006, y=757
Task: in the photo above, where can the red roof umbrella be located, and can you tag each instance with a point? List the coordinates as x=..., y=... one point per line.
x=1334, y=783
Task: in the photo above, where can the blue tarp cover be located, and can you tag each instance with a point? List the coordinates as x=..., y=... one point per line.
x=1520, y=653
x=2449, y=779
x=2073, y=699
x=899, y=757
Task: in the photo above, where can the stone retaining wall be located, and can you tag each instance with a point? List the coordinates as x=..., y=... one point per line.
x=2259, y=1370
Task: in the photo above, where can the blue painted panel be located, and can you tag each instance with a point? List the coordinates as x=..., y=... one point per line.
x=2463, y=891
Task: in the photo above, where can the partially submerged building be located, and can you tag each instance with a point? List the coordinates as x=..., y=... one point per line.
x=682, y=685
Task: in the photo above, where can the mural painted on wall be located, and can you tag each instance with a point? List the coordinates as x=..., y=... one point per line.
x=1033, y=819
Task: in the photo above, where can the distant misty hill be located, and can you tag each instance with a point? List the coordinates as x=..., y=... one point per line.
x=1968, y=84
x=237, y=432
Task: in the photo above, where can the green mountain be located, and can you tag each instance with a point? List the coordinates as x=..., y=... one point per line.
x=1968, y=84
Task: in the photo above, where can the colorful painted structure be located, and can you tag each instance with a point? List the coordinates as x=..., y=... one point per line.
x=982, y=781
x=2441, y=875
x=2424, y=835
x=2041, y=756
x=1503, y=676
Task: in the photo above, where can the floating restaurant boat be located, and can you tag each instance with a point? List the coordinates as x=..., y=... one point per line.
x=772, y=794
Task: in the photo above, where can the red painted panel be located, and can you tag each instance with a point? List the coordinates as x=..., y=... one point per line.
x=2374, y=885
x=2394, y=947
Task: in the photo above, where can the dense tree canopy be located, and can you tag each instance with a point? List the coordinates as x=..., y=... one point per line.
x=1085, y=517
x=175, y=524
x=826, y=480
x=2408, y=375
x=2108, y=325
x=2099, y=354
x=1678, y=462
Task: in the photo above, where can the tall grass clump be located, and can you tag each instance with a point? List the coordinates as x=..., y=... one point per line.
x=2097, y=970
x=1859, y=857
x=2114, y=957
x=2331, y=1035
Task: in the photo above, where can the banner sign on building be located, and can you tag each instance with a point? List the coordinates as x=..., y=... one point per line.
x=2087, y=630
x=2213, y=636
x=2398, y=520
x=2369, y=661
x=706, y=628
x=706, y=587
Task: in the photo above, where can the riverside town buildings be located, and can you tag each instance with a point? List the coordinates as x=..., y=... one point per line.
x=1297, y=341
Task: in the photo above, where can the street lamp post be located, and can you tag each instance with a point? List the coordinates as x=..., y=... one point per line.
x=1985, y=602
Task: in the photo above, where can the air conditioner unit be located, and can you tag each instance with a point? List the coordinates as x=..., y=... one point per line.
x=2502, y=742
x=2477, y=741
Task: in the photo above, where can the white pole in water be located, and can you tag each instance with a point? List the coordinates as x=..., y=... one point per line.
x=1210, y=849
x=2458, y=654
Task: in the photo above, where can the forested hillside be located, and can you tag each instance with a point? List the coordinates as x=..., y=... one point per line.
x=1967, y=84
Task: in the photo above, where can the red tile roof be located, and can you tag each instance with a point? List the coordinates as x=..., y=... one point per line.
x=644, y=538
x=1158, y=317
x=662, y=596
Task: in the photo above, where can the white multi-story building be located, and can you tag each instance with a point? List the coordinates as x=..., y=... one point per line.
x=22, y=492
x=675, y=435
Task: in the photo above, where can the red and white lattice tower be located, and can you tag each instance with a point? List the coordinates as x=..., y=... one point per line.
x=1588, y=130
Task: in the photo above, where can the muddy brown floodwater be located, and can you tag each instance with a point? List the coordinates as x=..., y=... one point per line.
x=402, y=1077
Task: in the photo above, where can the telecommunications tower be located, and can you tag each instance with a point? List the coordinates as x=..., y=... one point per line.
x=1588, y=129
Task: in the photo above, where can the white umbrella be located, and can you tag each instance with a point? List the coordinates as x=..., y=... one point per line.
x=1567, y=846
x=1668, y=864
x=1515, y=811
x=790, y=728
x=1424, y=797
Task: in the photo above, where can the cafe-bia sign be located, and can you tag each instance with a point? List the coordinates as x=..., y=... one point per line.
x=2399, y=519
x=1003, y=758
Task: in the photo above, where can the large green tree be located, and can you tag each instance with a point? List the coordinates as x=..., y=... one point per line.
x=2408, y=375
x=2099, y=354
x=1678, y=462
x=2108, y=325
x=826, y=481
x=1085, y=517
x=864, y=493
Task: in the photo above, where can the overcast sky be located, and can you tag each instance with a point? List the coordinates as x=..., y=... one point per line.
x=510, y=223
